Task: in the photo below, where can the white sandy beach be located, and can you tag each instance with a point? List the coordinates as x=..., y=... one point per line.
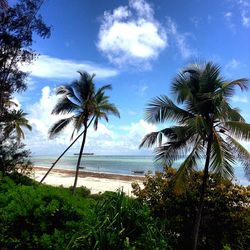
x=95, y=182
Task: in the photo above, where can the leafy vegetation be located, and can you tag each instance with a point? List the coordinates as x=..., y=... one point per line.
x=226, y=214
x=14, y=157
x=17, y=29
x=165, y=212
x=35, y=216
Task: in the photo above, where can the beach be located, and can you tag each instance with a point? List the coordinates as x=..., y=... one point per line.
x=96, y=182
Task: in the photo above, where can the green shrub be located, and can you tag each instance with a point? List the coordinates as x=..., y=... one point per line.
x=81, y=191
x=120, y=222
x=45, y=217
x=226, y=213
x=39, y=217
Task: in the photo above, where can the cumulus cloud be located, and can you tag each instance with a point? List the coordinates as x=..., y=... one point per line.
x=106, y=140
x=51, y=67
x=130, y=35
x=135, y=132
x=180, y=40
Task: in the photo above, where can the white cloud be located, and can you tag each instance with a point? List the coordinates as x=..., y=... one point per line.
x=135, y=133
x=51, y=67
x=180, y=40
x=130, y=35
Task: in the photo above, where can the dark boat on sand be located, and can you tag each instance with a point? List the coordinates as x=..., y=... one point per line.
x=138, y=171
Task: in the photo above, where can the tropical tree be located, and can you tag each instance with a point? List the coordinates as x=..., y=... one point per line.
x=207, y=127
x=17, y=121
x=85, y=105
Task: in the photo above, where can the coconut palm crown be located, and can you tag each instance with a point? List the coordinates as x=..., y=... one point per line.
x=16, y=123
x=207, y=127
x=205, y=116
x=84, y=104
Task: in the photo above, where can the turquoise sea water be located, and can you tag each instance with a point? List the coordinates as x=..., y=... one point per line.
x=117, y=164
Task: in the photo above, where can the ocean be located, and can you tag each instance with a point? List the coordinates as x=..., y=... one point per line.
x=116, y=164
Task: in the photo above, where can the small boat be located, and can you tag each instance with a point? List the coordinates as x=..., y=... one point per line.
x=138, y=171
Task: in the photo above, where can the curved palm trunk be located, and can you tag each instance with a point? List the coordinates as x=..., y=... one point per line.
x=201, y=202
x=61, y=155
x=79, y=158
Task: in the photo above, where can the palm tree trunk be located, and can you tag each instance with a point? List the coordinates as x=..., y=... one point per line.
x=203, y=190
x=62, y=154
x=79, y=158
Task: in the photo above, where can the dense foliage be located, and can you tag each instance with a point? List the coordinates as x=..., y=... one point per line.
x=226, y=219
x=42, y=217
x=17, y=29
x=14, y=158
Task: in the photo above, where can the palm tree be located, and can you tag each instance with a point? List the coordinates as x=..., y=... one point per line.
x=207, y=127
x=85, y=105
x=16, y=121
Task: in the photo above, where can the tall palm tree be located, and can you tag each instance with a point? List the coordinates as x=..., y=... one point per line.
x=207, y=127
x=16, y=122
x=85, y=105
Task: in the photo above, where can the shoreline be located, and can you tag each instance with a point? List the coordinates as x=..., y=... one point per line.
x=96, y=182
x=84, y=174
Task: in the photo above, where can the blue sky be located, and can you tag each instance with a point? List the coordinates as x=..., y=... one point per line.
x=137, y=46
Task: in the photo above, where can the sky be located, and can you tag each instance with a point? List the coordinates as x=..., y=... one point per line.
x=137, y=46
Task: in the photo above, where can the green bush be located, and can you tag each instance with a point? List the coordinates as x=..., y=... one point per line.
x=39, y=217
x=120, y=222
x=45, y=217
x=81, y=191
x=226, y=213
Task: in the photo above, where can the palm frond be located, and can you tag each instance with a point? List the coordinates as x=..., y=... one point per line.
x=151, y=139
x=177, y=133
x=228, y=88
x=103, y=89
x=162, y=109
x=188, y=165
x=59, y=126
x=180, y=88
x=226, y=113
x=222, y=159
x=197, y=124
x=64, y=106
x=108, y=108
x=242, y=155
x=175, y=149
x=238, y=129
